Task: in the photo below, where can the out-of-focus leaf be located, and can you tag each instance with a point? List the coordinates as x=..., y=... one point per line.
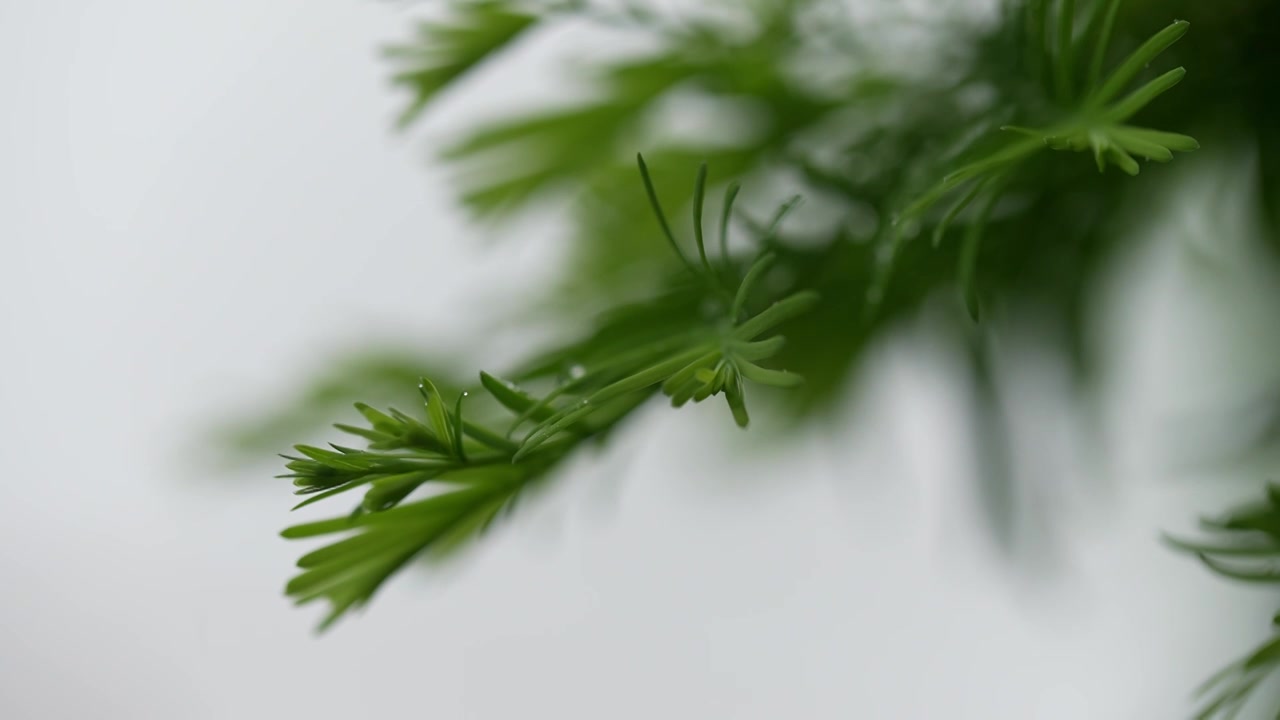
x=445, y=50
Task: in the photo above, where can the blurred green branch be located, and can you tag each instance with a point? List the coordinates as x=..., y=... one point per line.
x=887, y=150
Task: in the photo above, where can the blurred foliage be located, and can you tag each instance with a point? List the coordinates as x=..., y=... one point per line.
x=445, y=51
x=1244, y=545
x=948, y=168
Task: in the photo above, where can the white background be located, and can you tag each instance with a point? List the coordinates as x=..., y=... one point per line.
x=200, y=201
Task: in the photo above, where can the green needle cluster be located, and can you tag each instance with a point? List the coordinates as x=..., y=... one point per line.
x=939, y=172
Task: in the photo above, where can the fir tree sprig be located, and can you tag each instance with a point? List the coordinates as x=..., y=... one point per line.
x=1244, y=546
x=895, y=151
x=1095, y=122
x=692, y=357
x=478, y=470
